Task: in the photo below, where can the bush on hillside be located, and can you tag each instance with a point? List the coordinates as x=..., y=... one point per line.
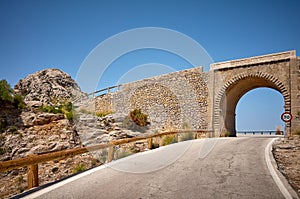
x=138, y=117
x=7, y=96
x=66, y=109
x=6, y=93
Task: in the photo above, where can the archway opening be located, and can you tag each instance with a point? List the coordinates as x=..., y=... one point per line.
x=259, y=110
x=235, y=89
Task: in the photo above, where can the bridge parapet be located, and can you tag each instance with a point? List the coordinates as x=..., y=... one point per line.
x=254, y=60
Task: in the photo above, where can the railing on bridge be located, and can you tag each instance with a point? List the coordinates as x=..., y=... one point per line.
x=106, y=90
x=32, y=161
x=260, y=132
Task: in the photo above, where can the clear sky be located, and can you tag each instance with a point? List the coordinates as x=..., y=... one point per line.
x=61, y=33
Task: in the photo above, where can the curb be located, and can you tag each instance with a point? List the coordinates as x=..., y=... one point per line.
x=285, y=188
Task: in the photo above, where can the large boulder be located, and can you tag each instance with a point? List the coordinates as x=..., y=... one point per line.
x=49, y=87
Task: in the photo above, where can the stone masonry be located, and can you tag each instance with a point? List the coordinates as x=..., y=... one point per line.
x=207, y=100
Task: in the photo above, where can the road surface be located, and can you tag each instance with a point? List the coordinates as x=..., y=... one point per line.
x=207, y=168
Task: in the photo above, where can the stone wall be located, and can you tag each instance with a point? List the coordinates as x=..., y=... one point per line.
x=207, y=100
x=295, y=92
x=169, y=100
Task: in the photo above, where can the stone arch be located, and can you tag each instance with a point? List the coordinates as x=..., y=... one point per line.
x=232, y=91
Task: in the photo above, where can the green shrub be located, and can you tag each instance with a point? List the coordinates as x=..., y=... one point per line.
x=18, y=102
x=6, y=93
x=103, y=114
x=7, y=96
x=297, y=132
x=227, y=134
x=138, y=117
x=51, y=109
x=66, y=109
x=70, y=115
x=168, y=139
x=79, y=168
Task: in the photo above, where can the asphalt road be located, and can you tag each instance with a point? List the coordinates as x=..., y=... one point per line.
x=207, y=168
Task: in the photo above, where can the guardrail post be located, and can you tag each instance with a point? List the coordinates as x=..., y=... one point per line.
x=110, y=155
x=32, y=176
x=195, y=135
x=149, y=143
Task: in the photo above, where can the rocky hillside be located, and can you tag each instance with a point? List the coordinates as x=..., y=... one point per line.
x=49, y=87
x=43, y=126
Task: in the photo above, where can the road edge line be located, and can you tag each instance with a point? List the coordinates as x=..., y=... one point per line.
x=270, y=164
x=61, y=183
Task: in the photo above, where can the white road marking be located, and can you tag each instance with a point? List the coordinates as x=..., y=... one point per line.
x=274, y=175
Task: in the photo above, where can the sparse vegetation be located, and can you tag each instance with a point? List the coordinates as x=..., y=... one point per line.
x=19, y=102
x=79, y=168
x=66, y=109
x=138, y=117
x=227, y=134
x=168, y=139
x=98, y=114
x=123, y=153
x=6, y=92
x=7, y=96
x=20, y=181
x=103, y=114
x=51, y=109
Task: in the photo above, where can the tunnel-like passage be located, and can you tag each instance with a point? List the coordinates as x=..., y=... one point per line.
x=234, y=91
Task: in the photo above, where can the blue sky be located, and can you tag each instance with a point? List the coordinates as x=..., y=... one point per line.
x=44, y=34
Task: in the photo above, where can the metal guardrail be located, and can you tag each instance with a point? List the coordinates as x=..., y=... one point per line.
x=106, y=90
x=260, y=132
x=32, y=161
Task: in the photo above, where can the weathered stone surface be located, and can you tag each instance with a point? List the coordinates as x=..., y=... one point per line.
x=48, y=87
x=207, y=100
x=169, y=100
x=46, y=118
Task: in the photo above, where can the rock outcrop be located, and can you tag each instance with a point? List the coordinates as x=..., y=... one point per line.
x=48, y=87
x=32, y=131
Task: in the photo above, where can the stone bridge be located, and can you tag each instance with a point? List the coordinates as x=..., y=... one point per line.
x=208, y=100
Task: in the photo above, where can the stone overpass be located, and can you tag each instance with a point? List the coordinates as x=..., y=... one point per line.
x=207, y=100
